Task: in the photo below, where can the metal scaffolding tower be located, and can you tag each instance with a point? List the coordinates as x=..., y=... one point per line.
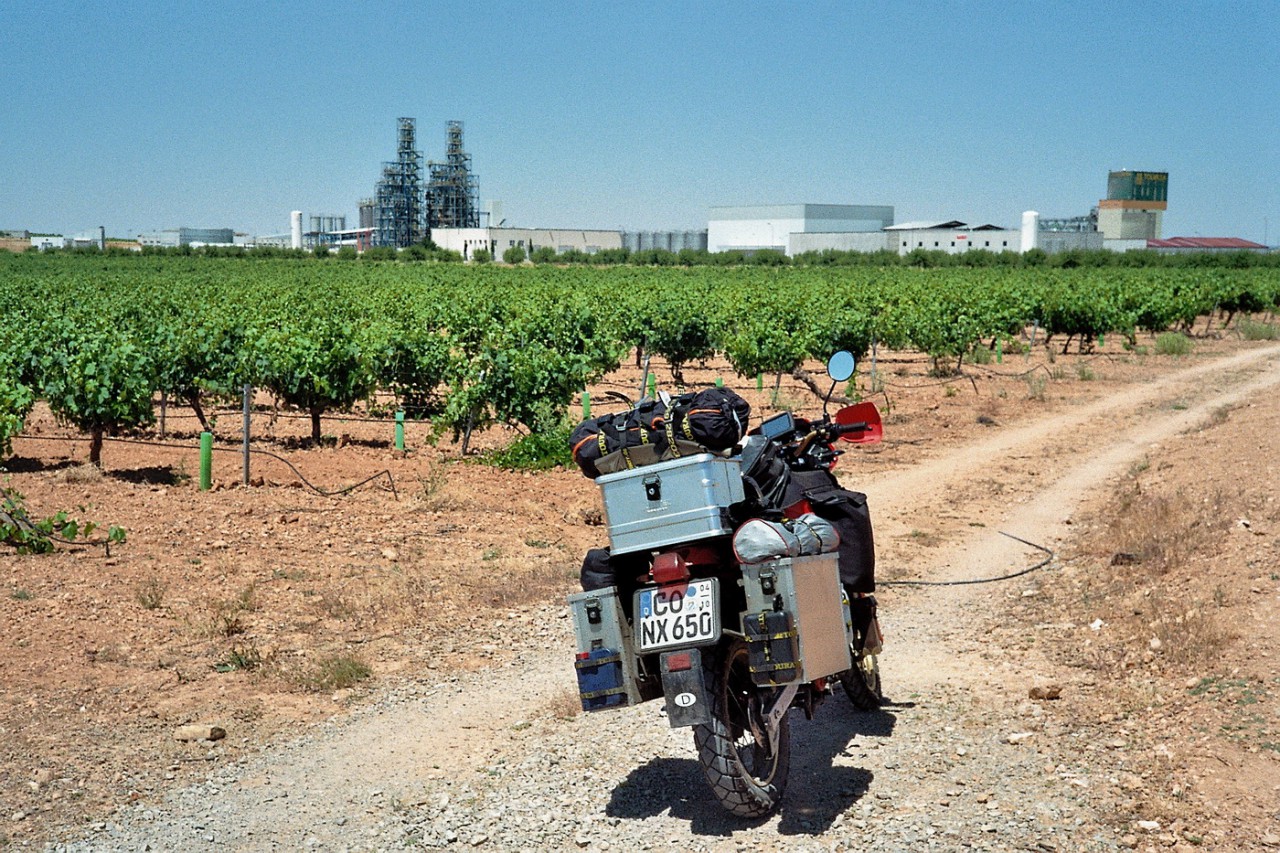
x=452, y=191
x=398, y=199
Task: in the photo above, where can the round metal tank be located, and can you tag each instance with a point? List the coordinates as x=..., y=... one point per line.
x=1030, y=230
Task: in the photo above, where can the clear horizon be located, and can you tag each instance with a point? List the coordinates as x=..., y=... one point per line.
x=606, y=115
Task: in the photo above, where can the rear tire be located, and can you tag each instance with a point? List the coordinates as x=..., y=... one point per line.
x=862, y=681
x=747, y=778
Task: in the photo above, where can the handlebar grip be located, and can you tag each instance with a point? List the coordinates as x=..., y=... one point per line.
x=841, y=429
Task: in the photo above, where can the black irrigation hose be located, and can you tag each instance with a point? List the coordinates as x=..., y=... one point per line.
x=1040, y=565
x=956, y=378
x=279, y=415
x=385, y=472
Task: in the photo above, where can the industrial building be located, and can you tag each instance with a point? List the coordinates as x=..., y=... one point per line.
x=174, y=237
x=953, y=237
x=751, y=228
x=465, y=241
x=405, y=211
x=452, y=190
x=1131, y=215
x=1184, y=245
x=1135, y=205
x=398, y=198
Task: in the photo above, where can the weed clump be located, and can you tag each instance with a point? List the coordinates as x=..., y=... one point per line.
x=1174, y=343
x=1252, y=330
x=335, y=672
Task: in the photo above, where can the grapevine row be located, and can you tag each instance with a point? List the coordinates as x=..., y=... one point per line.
x=97, y=337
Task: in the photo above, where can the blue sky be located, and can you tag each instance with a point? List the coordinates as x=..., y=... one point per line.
x=140, y=116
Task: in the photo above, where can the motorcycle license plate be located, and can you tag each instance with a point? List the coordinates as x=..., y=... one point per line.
x=677, y=615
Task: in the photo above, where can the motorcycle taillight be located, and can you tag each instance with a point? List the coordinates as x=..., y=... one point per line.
x=670, y=568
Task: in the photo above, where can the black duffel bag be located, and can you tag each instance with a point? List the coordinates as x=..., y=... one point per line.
x=656, y=431
x=618, y=441
x=715, y=418
x=847, y=511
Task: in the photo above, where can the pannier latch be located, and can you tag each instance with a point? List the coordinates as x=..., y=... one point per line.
x=653, y=488
x=593, y=611
x=767, y=585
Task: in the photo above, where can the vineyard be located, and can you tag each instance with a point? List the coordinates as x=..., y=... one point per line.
x=99, y=337
x=264, y=606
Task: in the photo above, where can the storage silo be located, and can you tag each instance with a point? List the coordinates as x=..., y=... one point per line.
x=1030, y=230
x=295, y=229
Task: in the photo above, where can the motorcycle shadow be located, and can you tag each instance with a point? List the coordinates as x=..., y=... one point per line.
x=823, y=784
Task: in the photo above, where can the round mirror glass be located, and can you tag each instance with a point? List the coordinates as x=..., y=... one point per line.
x=840, y=366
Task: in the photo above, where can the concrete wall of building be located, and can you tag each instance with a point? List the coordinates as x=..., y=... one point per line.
x=1124, y=245
x=749, y=234
x=954, y=241
x=1066, y=241
x=771, y=226
x=171, y=237
x=56, y=241
x=843, y=241
x=464, y=241
x=497, y=240
x=1130, y=223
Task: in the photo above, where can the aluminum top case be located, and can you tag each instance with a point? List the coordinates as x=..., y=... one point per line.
x=670, y=502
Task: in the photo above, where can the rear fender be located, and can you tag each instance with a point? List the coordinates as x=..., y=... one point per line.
x=685, y=687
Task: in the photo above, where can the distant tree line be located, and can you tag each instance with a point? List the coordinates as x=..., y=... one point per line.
x=541, y=255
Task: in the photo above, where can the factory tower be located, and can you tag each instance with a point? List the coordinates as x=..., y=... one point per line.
x=398, y=199
x=452, y=192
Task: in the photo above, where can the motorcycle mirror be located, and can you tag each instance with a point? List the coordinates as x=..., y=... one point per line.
x=841, y=365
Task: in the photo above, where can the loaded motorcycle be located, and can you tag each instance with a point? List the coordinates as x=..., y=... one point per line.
x=727, y=589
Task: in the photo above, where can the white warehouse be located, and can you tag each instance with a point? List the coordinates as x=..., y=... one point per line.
x=497, y=240
x=953, y=237
x=771, y=226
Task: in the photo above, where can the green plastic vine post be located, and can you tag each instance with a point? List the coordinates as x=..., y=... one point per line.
x=206, y=461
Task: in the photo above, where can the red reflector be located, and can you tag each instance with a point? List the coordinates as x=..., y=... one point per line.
x=669, y=568
x=583, y=655
x=679, y=662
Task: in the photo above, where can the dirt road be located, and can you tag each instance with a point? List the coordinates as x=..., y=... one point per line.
x=959, y=758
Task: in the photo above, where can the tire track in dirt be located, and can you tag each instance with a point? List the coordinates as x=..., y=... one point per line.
x=1134, y=420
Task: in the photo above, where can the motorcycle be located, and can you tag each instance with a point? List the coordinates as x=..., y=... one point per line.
x=707, y=612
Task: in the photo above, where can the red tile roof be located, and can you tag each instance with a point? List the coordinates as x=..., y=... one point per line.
x=1203, y=243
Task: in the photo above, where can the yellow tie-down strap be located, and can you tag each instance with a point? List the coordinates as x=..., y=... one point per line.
x=585, y=664
x=767, y=639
